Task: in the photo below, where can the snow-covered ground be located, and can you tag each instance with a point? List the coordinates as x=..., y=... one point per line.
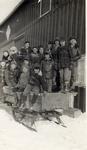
x=14, y=136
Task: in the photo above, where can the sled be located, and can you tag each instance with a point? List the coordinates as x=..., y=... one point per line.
x=28, y=118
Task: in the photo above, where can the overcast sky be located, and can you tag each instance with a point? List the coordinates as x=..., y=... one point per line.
x=6, y=6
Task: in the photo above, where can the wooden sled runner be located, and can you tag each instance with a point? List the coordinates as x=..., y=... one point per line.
x=28, y=118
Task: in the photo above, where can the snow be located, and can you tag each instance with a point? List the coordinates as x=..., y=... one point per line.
x=14, y=136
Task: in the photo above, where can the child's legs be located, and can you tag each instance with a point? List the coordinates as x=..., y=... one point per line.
x=19, y=94
x=34, y=95
x=58, y=79
x=74, y=72
x=49, y=85
x=67, y=75
x=61, y=77
x=27, y=90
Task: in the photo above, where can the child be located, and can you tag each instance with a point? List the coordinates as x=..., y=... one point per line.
x=11, y=78
x=47, y=67
x=75, y=56
x=35, y=86
x=64, y=66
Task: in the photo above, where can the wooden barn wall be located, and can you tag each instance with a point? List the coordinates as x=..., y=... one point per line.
x=64, y=20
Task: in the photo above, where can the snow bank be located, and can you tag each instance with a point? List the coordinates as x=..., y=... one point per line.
x=14, y=136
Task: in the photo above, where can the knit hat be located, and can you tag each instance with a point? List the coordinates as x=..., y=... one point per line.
x=26, y=42
x=36, y=66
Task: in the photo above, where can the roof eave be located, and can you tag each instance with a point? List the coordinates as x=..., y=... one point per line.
x=12, y=12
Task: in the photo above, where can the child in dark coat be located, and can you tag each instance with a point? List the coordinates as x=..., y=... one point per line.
x=64, y=65
x=35, y=86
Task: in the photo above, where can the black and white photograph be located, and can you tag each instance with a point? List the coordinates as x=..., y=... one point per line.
x=43, y=75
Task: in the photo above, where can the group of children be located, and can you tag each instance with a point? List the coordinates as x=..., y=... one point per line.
x=35, y=70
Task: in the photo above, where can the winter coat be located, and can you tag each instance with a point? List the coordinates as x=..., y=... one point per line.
x=49, y=51
x=11, y=77
x=75, y=54
x=64, y=57
x=37, y=81
x=5, y=59
x=47, y=67
x=26, y=53
x=55, y=57
x=34, y=58
x=2, y=76
x=41, y=57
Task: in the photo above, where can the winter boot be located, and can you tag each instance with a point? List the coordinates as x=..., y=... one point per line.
x=62, y=88
x=66, y=88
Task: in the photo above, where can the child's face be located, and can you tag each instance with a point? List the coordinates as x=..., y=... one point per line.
x=49, y=46
x=12, y=52
x=26, y=62
x=35, y=50
x=56, y=43
x=47, y=56
x=3, y=64
x=5, y=54
x=19, y=52
x=25, y=69
x=41, y=50
x=13, y=67
x=37, y=70
x=27, y=45
x=73, y=42
x=62, y=43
